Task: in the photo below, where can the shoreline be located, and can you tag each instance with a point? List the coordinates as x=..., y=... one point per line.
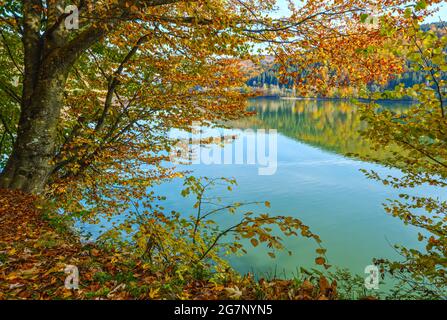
x=329, y=99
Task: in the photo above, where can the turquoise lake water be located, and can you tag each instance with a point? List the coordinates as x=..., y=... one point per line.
x=316, y=182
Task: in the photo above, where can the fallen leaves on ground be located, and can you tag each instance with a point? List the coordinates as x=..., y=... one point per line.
x=33, y=256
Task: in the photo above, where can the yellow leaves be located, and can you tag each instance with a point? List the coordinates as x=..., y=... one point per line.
x=218, y=287
x=154, y=293
x=118, y=274
x=57, y=268
x=184, y=295
x=321, y=251
x=116, y=259
x=12, y=276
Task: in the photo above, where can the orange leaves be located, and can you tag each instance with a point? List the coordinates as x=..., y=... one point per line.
x=254, y=242
x=95, y=252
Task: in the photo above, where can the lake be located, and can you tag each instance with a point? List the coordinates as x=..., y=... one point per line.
x=316, y=182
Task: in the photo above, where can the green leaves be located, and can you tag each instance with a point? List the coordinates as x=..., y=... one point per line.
x=202, y=238
x=364, y=17
x=421, y=5
x=420, y=133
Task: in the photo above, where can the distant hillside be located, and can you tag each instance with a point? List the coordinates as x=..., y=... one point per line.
x=267, y=81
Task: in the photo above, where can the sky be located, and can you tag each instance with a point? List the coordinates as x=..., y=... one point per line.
x=441, y=15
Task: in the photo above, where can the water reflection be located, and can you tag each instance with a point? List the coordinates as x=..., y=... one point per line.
x=327, y=124
x=314, y=182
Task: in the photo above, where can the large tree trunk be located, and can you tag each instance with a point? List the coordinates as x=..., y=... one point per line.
x=48, y=58
x=49, y=54
x=29, y=165
x=46, y=67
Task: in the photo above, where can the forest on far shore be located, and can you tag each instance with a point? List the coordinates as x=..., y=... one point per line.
x=268, y=83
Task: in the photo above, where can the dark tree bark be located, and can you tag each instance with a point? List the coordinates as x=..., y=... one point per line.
x=30, y=163
x=48, y=58
x=49, y=55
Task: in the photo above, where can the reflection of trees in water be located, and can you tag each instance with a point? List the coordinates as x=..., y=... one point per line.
x=327, y=124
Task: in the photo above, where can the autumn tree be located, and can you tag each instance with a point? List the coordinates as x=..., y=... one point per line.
x=415, y=140
x=88, y=117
